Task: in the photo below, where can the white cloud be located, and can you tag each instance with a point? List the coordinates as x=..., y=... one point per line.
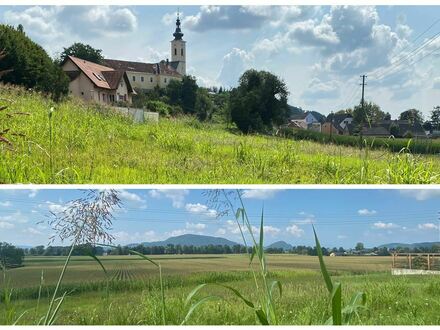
x=270, y=230
x=235, y=63
x=5, y=204
x=129, y=196
x=295, y=230
x=366, y=212
x=421, y=194
x=195, y=226
x=383, y=225
x=260, y=193
x=341, y=236
x=33, y=193
x=32, y=231
x=177, y=196
x=428, y=226
x=16, y=217
x=220, y=231
x=6, y=225
x=318, y=89
x=201, y=209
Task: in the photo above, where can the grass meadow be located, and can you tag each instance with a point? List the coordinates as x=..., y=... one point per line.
x=129, y=293
x=78, y=143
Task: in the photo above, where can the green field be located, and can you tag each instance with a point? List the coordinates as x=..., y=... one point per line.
x=134, y=295
x=87, y=145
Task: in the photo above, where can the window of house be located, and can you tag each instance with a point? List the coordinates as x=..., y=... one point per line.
x=134, y=78
x=122, y=84
x=175, y=51
x=181, y=52
x=82, y=93
x=151, y=79
x=165, y=80
x=142, y=79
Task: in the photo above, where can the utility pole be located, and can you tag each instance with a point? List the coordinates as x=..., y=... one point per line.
x=363, y=90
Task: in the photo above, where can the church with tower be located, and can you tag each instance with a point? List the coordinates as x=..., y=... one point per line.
x=116, y=80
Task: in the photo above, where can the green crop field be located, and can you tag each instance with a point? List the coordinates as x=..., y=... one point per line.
x=82, y=144
x=130, y=292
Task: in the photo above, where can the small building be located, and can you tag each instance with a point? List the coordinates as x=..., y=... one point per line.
x=95, y=82
x=330, y=128
x=396, y=128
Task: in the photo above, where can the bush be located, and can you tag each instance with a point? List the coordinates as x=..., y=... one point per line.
x=160, y=107
x=421, y=146
x=10, y=256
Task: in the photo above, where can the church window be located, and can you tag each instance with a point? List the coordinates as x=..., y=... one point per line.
x=165, y=80
x=151, y=79
x=175, y=51
x=181, y=52
x=142, y=79
x=134, y=78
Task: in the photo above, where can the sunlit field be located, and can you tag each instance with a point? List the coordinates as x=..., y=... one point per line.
x=81, y=144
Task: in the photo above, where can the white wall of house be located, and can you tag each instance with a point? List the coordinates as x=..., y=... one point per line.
x=310, y=119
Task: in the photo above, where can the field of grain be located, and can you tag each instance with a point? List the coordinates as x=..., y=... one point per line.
x=80, y=144
x=129, y=293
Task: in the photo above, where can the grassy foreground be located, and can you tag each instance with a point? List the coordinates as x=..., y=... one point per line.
x=81, y=144
x=134, y=295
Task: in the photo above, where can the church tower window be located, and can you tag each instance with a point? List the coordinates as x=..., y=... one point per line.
x=181, y=52
x=175, y=51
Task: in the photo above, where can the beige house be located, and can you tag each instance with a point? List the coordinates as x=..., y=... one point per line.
x=116, y=80
x=99, y=83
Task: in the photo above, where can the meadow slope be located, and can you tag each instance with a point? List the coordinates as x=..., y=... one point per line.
x=88, y=145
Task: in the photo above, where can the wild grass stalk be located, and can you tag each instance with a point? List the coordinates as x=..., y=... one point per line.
x=264, y=308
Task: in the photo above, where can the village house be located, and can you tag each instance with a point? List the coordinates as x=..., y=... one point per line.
x=116, y=80
x=396, y=128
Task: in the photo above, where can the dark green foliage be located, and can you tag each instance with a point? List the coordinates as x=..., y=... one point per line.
x=29, y=64
x=204, y=107
x=369, y=115
x=10, y=256
x=435, y=118
x=420, y=146
x=413, y=115
x=83, y=51
x=259, y=102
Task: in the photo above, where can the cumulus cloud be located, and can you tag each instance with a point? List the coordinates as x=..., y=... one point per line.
x=235, y=63
x=33, y=193
x=318, y=89
x=5, y=203
x=49, y=22
x=130, y=196
x=295, y=230
x=195, y=226
x=16, y=217
x=177, y=196
x=6, y=225
x=366, y=212
x=428, y=226
x=220, y=231
x=383, y=225
x=32, y=231
x=421, y=194
x=201, y=209
x=260, y=193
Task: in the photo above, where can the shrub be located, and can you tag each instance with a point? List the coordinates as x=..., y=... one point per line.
x=160, y=107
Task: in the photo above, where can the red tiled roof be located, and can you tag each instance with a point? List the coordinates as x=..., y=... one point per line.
x=153, y=68
x=93, y=71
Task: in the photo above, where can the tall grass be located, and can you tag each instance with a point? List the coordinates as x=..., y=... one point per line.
x=93, y=145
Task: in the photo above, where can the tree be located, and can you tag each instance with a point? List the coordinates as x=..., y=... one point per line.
x=359, y=246
x=29, y=64
x=413, y=115
x=10, y=256
x=435, y=118
x=83, y=51
x=387, y=116
x=189, y=94
x=259, y=102
x=371, y=114
x=427, y=126
x=204, y=106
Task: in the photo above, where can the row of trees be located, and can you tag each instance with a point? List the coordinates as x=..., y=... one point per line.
x=372, y=113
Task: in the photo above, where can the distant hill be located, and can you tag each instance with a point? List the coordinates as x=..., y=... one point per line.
x=280, y=245
x=191, y=239
x=294, y=110
x=410, y=245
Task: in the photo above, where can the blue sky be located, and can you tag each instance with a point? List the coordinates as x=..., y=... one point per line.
x=342, y=217
x=319, y=51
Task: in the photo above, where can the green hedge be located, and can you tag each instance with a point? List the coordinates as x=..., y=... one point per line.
x=420, y=146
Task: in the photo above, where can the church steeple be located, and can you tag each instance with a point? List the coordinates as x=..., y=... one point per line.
x=178, y=33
